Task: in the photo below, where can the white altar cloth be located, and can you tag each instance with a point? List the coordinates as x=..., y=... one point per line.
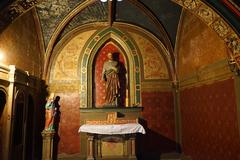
x=113, y=128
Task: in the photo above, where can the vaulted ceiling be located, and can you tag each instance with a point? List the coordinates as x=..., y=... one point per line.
x=161, y=17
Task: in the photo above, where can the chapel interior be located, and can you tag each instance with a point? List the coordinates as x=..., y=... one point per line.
x=179, y=78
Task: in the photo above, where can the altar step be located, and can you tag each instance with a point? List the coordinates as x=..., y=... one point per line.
x=174, y=156
x=77, y=158
x=168, y=156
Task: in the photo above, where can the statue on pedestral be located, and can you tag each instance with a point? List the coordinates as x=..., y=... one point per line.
x=49, y=113
x=110, y=74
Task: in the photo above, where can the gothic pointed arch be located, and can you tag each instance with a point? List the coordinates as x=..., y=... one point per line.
x=89, y=52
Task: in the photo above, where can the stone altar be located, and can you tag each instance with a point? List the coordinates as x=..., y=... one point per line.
x=110, y=135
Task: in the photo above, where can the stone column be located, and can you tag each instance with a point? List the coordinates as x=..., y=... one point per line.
x=47, y=147
x=90, y=145
x=133, y=149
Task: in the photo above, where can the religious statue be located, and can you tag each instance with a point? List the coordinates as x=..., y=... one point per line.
x=110, y=74
x=49, y=113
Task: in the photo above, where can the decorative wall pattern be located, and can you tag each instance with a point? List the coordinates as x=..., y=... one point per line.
x=154, y=66
x=101, y=57
x=217, y=24
x=209, y=122
x=194, y=49
x=69, y=123
x=159, y=122
x=159, y=112
x=66, y=65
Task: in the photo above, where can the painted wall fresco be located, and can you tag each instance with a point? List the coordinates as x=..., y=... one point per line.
x=198, y=46
x=101, y=57
x=154, y=65
x=66, y=65
x=209, y=122
x=159, y=121
x=20, y=45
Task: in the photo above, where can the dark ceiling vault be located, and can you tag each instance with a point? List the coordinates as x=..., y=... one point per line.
x=160, y=17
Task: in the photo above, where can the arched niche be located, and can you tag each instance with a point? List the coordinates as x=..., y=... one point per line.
x=90, y=51
x=99, y=87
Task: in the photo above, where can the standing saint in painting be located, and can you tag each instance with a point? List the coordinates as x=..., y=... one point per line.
x=49, y=113
x=110, y=74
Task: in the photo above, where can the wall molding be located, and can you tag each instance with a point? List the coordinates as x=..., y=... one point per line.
x=156, y=86
x=209, y=74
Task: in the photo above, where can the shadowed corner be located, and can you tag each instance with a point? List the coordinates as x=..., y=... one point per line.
x=122, y=79
x=57, y=116
x=155, y=146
